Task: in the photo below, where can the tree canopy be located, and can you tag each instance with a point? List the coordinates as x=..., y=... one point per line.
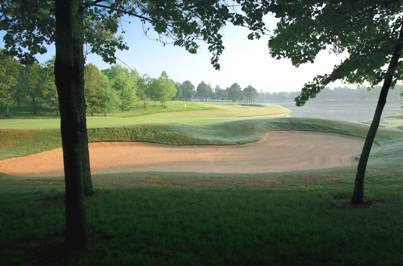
x=162, y=89
x=250, y=94
x=369, y=33
x=31, y=28
x=9, y=71
x=234, y=92
x=99, y=95
x=124, y=84
x=366, y=31
x=203, y=91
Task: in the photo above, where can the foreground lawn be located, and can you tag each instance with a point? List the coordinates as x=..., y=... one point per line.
x=157, y=219
x=188, y=113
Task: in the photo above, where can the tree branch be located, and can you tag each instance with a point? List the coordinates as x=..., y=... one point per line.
x=91, y=3
x=123, y=11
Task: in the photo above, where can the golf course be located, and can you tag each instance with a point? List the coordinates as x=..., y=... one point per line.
x=211, y=184
x=201, y=133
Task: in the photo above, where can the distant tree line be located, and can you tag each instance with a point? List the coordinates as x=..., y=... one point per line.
x=337, y=93
x=204, y=92
x=31, y=88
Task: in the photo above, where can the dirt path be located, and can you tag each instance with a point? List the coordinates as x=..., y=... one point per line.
x=277, y=151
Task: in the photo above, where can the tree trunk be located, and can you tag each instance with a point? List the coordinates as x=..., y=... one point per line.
x=358, y=195
x=6, y=111
x=87, y=179
x=34, y=109
x=68, y=76
x=18, y=101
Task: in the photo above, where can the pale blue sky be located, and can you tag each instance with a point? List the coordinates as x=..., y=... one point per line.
x=243, y=61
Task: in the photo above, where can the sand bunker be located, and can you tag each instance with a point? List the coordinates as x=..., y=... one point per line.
x=277, y=151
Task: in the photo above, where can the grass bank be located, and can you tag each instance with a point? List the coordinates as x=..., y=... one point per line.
x=22, y=142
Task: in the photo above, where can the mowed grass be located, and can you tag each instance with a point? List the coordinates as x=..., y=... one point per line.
x=296, y=218
x=282, y=219
x=188, y=113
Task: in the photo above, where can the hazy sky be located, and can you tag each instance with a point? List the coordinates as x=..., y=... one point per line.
x=243, y=61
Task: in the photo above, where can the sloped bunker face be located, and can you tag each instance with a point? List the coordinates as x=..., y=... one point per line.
x=277, y=151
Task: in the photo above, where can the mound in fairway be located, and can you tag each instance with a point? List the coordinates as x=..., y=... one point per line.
x=276, y=151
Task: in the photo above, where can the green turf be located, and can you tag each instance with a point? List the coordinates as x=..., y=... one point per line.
x=296, y=218
x=193, y=114
x=282, y=219
x=138, y=110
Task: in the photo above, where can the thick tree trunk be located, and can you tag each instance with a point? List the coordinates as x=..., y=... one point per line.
x=68, y=76
x=358, y=195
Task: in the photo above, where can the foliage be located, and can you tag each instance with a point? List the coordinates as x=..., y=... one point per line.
x=361, y=93
x=203, y=91
x=9, y=75
x=220, y=94
x=188, y=90
x=124, y=84
x=49, y=93
x=162, y=89
x=35, y=80
x=143, y=83
x=234, y=92
x=100, y=97
x=183, y=23
x=250, y=94
x=179, y=91
x=364, y=30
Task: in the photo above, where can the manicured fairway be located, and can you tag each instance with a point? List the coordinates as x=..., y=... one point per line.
x=192, y=114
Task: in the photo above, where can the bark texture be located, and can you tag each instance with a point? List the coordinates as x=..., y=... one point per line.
x=69, y=83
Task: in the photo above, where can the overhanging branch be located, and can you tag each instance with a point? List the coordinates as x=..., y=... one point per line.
x=123, y=11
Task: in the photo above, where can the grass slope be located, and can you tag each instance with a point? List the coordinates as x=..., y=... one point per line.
x=22, y=142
